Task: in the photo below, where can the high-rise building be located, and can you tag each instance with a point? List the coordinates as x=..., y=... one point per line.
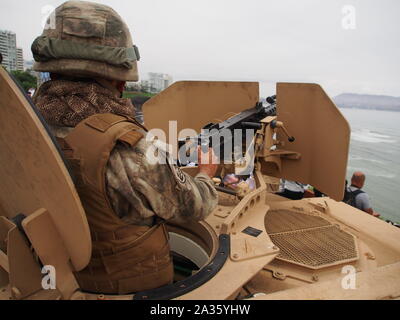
x=12, y=57
x=158, y=81
x=20, y=59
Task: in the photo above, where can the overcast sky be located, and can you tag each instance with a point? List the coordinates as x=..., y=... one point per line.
x=252, y=40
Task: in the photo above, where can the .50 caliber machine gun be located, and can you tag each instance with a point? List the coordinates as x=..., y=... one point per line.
x=227, y=137
x=232, y=138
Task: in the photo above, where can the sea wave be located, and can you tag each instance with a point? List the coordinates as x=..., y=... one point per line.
x=357, y=158
x=377, y=143
x=365, y=135
x=383, y=175
x=377, y=134
x=376, y=173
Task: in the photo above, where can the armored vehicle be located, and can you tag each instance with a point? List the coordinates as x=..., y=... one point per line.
x=254, y=245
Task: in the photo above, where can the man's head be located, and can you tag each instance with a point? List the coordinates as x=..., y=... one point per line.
x=358, y=179
x=89, y=40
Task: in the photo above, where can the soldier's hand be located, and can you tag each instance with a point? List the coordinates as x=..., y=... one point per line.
x=208, y=162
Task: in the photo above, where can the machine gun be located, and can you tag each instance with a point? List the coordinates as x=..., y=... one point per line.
x=221, y=135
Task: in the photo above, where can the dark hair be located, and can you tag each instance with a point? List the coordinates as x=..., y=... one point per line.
x=1, y=58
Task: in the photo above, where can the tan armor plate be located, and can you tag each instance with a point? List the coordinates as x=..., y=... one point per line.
x=33, y=175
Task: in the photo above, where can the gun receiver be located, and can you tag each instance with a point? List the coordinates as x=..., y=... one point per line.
x=218, y=135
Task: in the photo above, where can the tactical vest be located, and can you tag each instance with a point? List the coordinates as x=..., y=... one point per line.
x=125, y=258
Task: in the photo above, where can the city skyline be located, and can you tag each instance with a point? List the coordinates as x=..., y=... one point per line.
x=12, y=54
x=286, y=41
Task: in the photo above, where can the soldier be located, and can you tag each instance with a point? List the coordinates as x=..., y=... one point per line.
x=126, y=197
x=356, y=197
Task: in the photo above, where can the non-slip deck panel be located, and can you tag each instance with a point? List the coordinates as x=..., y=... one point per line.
x=309, y=240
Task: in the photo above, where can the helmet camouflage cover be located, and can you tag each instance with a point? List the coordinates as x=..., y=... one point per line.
x=87, y=40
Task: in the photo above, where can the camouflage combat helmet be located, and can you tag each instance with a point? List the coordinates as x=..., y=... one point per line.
x=86, y=40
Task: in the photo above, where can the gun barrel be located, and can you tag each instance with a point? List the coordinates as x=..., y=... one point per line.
x=251, y=125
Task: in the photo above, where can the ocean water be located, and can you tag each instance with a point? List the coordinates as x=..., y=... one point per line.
x=375, y=150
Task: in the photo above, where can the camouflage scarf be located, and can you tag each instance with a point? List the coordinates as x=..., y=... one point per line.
x=65, y=103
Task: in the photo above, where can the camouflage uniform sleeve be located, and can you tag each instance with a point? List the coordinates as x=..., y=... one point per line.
x=140, y=188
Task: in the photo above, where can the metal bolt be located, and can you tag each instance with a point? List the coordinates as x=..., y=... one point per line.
x=278, y=275
x=370, y=256
x=16, y=292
